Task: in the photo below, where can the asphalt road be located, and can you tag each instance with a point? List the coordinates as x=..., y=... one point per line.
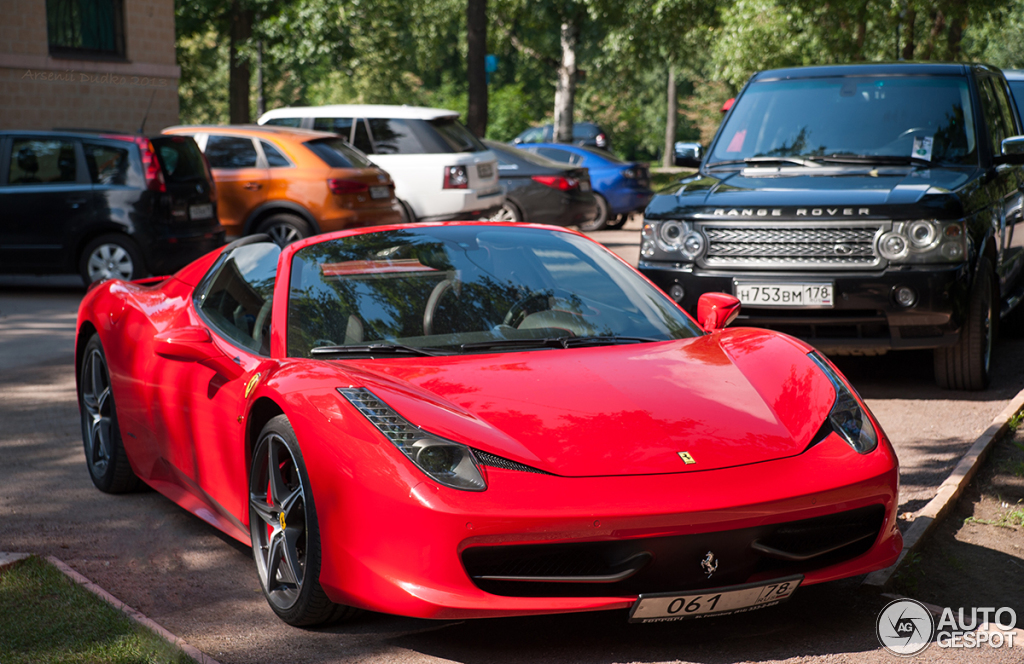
x=202, y=586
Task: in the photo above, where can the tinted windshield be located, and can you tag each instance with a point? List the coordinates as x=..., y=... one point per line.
x=898, y=116
x=337, y=153
x=458, y=138
x=442, y=287
x=180, y=158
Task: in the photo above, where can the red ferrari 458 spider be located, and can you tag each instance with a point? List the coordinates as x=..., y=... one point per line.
x=476, y=420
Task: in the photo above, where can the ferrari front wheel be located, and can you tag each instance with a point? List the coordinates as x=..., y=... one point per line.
x=285, y=536
x=104, y=452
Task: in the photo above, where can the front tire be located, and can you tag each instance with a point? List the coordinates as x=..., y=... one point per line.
x=601, y=219
x=966, y=365
x=284, y=530
x=104, y=452
x=284, y=228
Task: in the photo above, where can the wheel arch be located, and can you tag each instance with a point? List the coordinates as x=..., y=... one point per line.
x=75, y=257
x=85, y=333
x=274, y=207
x=262, y=411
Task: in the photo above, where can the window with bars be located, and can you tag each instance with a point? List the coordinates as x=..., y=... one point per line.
x=85, y=27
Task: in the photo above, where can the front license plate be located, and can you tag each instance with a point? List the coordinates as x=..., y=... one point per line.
x=485, y=170
x=666, y=607
x=380, y=192
x=757, y=294
x=204, y=211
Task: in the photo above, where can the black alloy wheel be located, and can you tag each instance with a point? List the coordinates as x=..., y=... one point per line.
x=285, y=536
x=104, y=452
x=966, y=365
x=598, y=222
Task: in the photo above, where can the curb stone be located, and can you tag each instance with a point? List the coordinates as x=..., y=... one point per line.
x=9, y=559
x=929, y=517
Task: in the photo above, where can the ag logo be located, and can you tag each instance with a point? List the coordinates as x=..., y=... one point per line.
x=905, y=627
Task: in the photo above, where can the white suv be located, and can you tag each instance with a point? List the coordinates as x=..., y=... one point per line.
x=441, y=171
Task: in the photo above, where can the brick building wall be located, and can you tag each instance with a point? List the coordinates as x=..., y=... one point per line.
x=43, y=91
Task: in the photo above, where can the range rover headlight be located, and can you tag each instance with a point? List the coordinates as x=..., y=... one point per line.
x=924, y=241
x=674, y=238
x=847, y=417
x=671, y=234
x=446, y=462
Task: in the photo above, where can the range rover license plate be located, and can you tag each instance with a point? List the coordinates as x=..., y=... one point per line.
x=765, y=294
x=667, y=607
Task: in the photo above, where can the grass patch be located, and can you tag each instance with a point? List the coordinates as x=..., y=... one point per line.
x=47, y=618
x=1012, y=518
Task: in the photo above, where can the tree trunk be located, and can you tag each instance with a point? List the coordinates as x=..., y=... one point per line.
x=261, y=101
x=476, y=41
x=565, y=91
x=938, y=23
x=671, y=112
x=238, y=68
x=861, y=31
x=908, y=49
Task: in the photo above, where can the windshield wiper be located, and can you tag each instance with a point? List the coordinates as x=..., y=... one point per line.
x=371, y=349
x=553, y=342
x=880, y=159
x=758, y=161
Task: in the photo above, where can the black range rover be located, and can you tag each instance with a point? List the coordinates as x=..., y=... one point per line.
x=863, y=208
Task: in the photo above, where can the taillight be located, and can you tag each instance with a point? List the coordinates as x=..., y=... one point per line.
x=601, y=140
x=339, y=186
x=151, y=165
x=557, y=182
x=456, y=177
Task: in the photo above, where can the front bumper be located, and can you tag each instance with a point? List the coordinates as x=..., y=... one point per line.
x=397, y=550
x=865, y=317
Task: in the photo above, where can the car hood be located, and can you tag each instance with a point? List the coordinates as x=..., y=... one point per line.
x=731, y=398
x=845, y=191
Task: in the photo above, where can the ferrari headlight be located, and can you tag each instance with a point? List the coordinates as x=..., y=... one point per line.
x=449, y=463
x=847, y=417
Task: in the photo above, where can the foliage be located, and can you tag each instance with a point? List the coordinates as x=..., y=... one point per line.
x=48, y=618
x=393, y=51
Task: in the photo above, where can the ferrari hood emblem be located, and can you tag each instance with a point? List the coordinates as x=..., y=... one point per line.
x=251, y=385
x=709, y=564
x=687, y=458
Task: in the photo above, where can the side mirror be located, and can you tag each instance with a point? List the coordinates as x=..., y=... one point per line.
x=689, y=155
x=1012, y=151
x=194, y=344
x=716, y=310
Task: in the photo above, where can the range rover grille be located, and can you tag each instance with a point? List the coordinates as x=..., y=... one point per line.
x=804, y=246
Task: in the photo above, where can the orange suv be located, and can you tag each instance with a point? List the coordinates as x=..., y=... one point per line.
x=292, y=183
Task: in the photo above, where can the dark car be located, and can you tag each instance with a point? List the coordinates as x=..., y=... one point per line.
x=541, y=191
x=103, y=205
x=583, y=133
x=620, y=187
x=864, y=208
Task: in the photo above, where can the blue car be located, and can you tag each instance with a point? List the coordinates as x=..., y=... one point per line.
x=620, y=187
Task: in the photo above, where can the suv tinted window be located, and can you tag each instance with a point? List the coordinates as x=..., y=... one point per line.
x=230, y=152
x=42, y=161
x=361, y=139
x=993, y=114
x=850, y=115
x=180, y=158
x=238, y=300
x=340, y=126
x=274, y=157
x=394, y=137
x=108, y=165
x=336, y=153
x=285, y=122
x=456, y=136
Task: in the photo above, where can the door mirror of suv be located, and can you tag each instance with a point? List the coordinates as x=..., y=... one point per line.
x=716, y=310
x=689, y=155
x=1013, y=151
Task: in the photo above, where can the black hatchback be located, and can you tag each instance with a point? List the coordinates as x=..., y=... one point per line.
x=103, y=205
x=541, y=191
